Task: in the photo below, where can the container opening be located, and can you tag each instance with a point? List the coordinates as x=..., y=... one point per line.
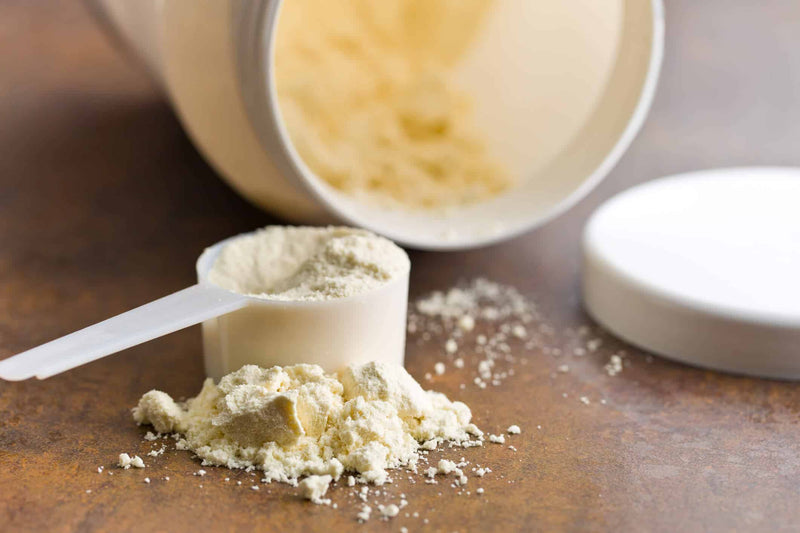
x=552, y=92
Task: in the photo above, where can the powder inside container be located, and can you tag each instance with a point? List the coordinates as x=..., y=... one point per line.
x=306, y=263
x=297, y=420
x=365, y=90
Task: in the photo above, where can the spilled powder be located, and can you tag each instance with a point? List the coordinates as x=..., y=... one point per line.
x=299, y=421
x=492, y=322
x=484, y=331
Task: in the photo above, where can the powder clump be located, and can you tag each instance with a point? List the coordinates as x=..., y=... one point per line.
x=314, y=488
x=299, y=421
x=307, y=263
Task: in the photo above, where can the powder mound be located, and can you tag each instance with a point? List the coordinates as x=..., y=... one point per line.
x=299, y=421
x=306, y=263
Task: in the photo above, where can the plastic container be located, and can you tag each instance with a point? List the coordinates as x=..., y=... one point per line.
x=708, y=273
x=329, y=333
x=239, y=329
x=559, y=88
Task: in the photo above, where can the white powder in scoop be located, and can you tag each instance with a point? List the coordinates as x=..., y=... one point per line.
x=307, y=263
x=299, y=421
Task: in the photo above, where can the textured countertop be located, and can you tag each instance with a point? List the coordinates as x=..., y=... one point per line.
x=105, y=205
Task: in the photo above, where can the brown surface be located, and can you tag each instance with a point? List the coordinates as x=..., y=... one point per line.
x=104, y=205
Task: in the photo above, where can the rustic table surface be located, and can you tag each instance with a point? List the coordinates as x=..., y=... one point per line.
x=105, y=204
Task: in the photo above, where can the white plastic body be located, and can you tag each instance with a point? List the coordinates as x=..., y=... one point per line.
x=168, y=314
x=239, y=329
x=330, y=333
x=702, y=268
x=560, y=89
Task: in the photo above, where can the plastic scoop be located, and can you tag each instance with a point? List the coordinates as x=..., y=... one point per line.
x=239, y=329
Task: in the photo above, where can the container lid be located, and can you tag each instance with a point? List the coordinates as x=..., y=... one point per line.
x=703, y=268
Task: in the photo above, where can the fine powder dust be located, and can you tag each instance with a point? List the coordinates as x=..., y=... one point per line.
x=299, y=421
x=364, y=91
x=306, y=263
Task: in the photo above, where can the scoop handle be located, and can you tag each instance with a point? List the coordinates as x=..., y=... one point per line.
x=177, y=311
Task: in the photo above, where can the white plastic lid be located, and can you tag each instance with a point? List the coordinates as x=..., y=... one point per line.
x=703, y=268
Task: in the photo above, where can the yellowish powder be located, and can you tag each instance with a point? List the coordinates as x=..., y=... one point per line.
x=363, y=88
x=298, y=421
x=305, y=263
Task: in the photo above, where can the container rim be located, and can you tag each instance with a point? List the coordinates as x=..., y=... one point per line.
x=257, y=66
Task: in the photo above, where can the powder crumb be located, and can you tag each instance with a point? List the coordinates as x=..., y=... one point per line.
x=164, y=413
x=88, y=491
x=430, y=445
x=458, y=363
x=99, y=469
x=150, y=436
x=479, y=490
x=363, y=515
x=594, y=344
x=614, y=365
x=585, y=400
x=466, y=323
x=389, y=511
x=450, y=346
x=439, y=368
x=200, y=473
x=513, y=430
x=126, y=461
x=156, y=453
x=351, y=481
x=497, y=439
x=519, y=331
x=314, y=488
x=147, y=480
x=563, y=368
x=445, y=466
x=254, y=487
